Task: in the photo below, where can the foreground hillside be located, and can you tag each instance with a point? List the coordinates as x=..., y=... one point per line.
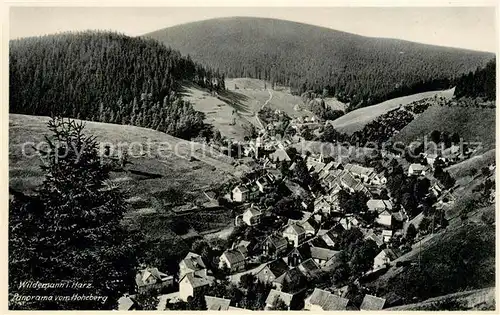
x=357, y=119
x=354, y=68
x=146, y=176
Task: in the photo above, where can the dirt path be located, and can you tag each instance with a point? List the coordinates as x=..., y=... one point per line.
x=265, y=103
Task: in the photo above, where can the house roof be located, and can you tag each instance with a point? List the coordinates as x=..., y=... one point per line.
x=273, y=294
x=291, y=276
x=374, y=237
x=216, y=303
x=392, y=253
x=233, y=256
x=328, y=301
x=125, y=303
x=358, y=169
x=193, y=261
x=372, y=303
x=309, y=224
x=280, y=155
x=322, y=253
x=417, y=167
x=309, y=267
x=374, y=204
x=278, y=267
x=277, y=241
x=253, y=211
x=196, y=281
x=294, y=228
x=349, y=180
x=144, y=274
x=241, y=188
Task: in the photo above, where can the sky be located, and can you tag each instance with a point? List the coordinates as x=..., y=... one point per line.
x=462, y=27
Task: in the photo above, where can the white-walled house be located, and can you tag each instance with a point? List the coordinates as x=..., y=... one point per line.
x=240, y=194
x=232, y=259
x=252, y=216
x=190, y=284
x=385, y=257
x=384, y=218
x=416, y=170
x=294, y=233
x=192, y=263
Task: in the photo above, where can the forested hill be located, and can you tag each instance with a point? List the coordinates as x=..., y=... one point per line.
x=481, y=83
x=352, y=67
x=106, y=77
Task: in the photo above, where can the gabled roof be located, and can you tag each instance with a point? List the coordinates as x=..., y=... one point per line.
x=358, y=169
x=391, y=253
x=125, y=303
x=216, y=303
x=241, y=188
x=233, y=256
x=372, y=303
x=322, y=253
x=417, y=167
x=295, y=229
x=310, y=224
x=291, y=276
x=195, y=280
x=374, y=237
x=254, y=211
x=278, y=267
x=273, y=294
x=328, y=301
x=144, y=274
x=280, y=155
x=374, y=204
x=277, y=241
x=193, y=261
x=308, y=267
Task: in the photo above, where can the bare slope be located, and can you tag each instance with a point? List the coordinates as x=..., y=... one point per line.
x=168, y=165
x=472, y=124
x=357, y=119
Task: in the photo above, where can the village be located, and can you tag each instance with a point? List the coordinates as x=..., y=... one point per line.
x=309, y=230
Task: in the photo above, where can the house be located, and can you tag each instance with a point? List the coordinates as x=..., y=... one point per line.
x=273, y=246
x=274, y=295
x=330, y=237
x=372, y=303
x=240, y=194
x=243, y=247
x=309, y=268
x=384, y=218
x=378, y=205
x=349, y=222
x=310, y=226
x=263, y=184
x=216, y=303
x=374, y=237
x=295, y=234
x=192, y=263
x=190, y=284
x=232, y=259
x=298, y=255
x=272, y=270
x=150, y=278
x=386, y=236
x=127, y=303
x=321, y=256
x=252, y=216
x=279, y=155
x=364, y=173
x=416, y=170
x=322, y=300
x=322, y=206
x=292, y=279
x=385, y=257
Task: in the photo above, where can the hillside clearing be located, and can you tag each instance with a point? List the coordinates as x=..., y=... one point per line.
x=472, y=124
x=357, y=119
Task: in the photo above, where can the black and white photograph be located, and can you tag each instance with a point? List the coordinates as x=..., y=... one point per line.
x=219, y=158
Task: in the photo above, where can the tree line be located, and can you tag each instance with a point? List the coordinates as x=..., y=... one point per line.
x=107, y=77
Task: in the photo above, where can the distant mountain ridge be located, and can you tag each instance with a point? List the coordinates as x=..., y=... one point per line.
x=362, y=70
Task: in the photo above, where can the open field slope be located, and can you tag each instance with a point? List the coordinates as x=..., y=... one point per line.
x=482, y=299
x=472, y=124
x=308, y=57
x=167, y=166
x=357, y=119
